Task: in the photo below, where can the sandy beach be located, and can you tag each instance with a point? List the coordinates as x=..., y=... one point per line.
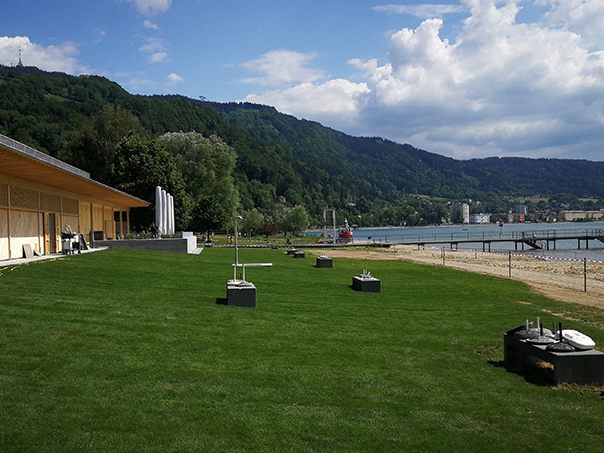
x=558, y=279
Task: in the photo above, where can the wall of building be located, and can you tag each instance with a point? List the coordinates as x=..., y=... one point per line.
x=582, y=215
x=24, y=216
x=4, y=253
x=181, y=245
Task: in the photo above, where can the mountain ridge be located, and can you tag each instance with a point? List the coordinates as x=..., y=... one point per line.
x=279, y=155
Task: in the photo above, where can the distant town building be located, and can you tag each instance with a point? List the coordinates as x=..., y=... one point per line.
x=480, y=218
x=520, y=213
x=570, y=216
x=460, y=213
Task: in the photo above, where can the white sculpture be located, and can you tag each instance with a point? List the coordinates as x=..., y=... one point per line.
x=171, y=209
x=164, y=212
x=158, y=208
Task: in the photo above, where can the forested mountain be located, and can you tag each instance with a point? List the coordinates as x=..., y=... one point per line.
x=278, y=157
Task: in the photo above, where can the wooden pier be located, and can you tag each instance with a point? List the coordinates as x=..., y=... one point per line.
x=536, y=240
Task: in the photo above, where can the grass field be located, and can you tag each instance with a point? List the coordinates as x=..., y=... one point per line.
x=128, y=350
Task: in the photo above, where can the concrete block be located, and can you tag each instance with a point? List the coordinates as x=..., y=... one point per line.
x=579, y=367
x=324, y=261
x=369, y=284
x=241, y=294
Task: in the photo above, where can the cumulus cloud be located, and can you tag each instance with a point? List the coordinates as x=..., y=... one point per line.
x=62, y=57
x=500, y=87
x=279, y=67
x=583, y=17
x=423, y=11
x=151, y=7
x=334, y=98
x=174, y=78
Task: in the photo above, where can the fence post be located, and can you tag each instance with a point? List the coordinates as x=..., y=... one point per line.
x=510, y=263
x=585, y=275
x=443, y=255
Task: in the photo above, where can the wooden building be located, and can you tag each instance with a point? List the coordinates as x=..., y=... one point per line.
x=40, y=196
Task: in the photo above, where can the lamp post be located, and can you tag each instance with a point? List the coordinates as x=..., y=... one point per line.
x=237, y=219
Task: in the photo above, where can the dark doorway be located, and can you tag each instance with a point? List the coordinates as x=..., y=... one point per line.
x=52, y=232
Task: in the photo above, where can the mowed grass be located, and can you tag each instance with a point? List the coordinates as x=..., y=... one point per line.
x=128, y=350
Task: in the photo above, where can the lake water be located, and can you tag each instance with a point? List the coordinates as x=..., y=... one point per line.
x=564, y=248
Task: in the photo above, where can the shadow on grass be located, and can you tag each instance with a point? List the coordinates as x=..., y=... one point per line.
x=221, y=300
x=533, y=372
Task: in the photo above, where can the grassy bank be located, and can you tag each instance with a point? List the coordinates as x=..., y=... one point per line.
x=128, y=350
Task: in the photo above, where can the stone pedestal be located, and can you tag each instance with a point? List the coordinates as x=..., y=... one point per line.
x=299, y=254
x=241, y=294
x=579, y=367
x=324, y=261
x=369, y=284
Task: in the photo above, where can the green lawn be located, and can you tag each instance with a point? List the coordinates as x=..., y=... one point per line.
x=125, y=350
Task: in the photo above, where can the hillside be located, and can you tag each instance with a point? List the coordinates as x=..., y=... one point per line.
x=279, y=155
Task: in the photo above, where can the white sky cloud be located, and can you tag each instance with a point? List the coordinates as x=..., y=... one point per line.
x=151, y=7
x=138, y=83
x=100, y=35
x=158, y=57
x=584, y=17
x=174, y=79
x=337, y=97
x=62, y=57
x=155, y=49
x=151, y=45
x=423, y=11
x=150, y=25
x=282, y=66
x=500, y=88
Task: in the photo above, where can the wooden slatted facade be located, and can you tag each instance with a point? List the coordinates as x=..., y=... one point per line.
x=41, y=196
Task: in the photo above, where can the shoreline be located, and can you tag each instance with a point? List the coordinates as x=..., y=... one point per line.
x=456, y=225
x=560, y=279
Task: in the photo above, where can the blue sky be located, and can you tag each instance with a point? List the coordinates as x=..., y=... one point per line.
x=468, y=78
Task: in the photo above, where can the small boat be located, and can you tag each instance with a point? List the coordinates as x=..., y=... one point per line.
x=345, y=234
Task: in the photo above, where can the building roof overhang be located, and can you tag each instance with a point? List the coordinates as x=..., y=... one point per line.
x=21, y=161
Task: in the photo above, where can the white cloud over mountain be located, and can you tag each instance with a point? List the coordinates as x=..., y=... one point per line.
x=500, y=87
x=174, y=78
x=279, y=67
x=61, y=57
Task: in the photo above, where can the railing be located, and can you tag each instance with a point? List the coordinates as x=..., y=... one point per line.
x=20, y=147
x=540, y=235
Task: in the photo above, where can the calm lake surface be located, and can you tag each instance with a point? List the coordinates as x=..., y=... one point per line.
x=564, y=248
